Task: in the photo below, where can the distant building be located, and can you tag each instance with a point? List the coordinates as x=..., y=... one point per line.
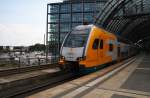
x=63, y=16
x=20, y=49
x=11, y=48
x=14, y=49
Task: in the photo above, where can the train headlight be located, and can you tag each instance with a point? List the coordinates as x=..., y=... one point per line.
x=62, y=57
x=81, y=58
x=62, y=60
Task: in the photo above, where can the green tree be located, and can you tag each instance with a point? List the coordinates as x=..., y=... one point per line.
x=37, y=47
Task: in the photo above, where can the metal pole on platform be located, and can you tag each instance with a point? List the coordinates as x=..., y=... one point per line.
x=47, y=36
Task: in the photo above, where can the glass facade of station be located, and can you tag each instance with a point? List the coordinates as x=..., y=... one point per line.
x=62, y=17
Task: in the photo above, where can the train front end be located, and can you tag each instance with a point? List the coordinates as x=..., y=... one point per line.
x=74, y=47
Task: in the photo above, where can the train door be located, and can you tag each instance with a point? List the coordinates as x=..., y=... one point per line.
x=119, y=53
x=94, y=53
x=101, y=50
x=113, y=49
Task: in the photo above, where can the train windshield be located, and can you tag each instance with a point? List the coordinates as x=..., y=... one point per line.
x=77, y=38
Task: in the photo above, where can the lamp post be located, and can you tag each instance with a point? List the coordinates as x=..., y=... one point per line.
x=138, y=43
x=141, y=40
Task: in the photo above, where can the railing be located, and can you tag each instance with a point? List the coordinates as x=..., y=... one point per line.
x=17, y=62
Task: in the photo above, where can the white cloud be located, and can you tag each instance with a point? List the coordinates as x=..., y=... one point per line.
x=23, y=23
x=20, y=34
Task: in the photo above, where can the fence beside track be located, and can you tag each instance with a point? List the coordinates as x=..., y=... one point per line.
x=12, y=62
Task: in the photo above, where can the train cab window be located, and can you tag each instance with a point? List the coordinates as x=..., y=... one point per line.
x=95, y=44
x=110, y=47
x=101, y=44
x=77, y=38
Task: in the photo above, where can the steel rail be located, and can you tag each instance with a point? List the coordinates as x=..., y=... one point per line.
x=19, y=70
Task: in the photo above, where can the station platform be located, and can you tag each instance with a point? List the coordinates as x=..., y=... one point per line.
x=13, y=84
x=132, y=81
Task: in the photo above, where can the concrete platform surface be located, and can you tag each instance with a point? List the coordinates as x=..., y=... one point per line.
x=131, y=82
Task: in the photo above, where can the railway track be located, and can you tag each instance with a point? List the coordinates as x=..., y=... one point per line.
x=25, y=69
x=34, y=83
x=37, y=82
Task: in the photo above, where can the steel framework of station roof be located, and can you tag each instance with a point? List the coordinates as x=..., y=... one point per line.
x=127, y=18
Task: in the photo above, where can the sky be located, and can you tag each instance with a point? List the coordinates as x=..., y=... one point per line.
x=23, y=22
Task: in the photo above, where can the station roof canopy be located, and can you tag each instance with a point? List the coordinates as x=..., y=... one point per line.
x=127, y=18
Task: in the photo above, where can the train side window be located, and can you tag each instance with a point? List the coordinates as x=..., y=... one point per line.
x=110, y=47
x=95, y=44
x=101, y=44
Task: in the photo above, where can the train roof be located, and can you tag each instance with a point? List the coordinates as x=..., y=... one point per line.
x=90, y=26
